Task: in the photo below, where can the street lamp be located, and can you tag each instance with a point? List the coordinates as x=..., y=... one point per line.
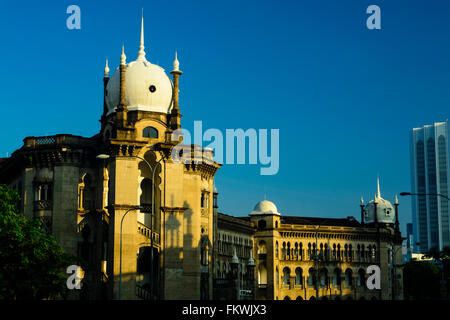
x=152, y=170
x=393, y=255
x=424, y=194
x=120, y=262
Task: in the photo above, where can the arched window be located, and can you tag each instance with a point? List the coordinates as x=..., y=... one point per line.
x=277, y=276
x=339, y=257
x=363, y=253
x=150, y=132
x=286, y=274
x=348, y=277
x=312, y=277
x=301, y=251
x=337, y=277
x=361, y=278
x=276, y=249
x=298, y=276
x=350, y=252
x=323, y=277
x=289, y=251
x=146, y=200
x=309, y=251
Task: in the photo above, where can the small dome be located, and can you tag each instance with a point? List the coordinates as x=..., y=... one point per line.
x=385, y=211
x=147, y=88
x=265, y=207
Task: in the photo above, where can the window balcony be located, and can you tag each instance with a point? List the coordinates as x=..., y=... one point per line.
x=43, y=205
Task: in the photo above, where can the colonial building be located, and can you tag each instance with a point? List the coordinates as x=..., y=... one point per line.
x=144, y=225
x=295, y=257
x=112, y=197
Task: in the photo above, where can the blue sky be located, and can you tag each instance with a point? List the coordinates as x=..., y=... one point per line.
x=344, y=97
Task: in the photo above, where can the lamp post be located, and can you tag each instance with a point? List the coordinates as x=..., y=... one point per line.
x=120, y=262
x=424, y=194
x=393, y=254
x=152, y=170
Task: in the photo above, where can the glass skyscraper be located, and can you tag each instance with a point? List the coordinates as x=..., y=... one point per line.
x=430, y=174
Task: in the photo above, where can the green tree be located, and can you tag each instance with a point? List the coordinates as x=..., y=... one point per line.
x=32, y=263
x=421, y=280
x=443, y=260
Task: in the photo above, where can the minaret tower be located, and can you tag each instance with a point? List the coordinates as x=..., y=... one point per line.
x=362, y=210
x=105, y=83
x=175, y=115
x=121, y=107
x=397, y=226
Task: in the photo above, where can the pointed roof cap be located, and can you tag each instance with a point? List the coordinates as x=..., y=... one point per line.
x=378, y=188
x=141, y=53
x=123, y=57
x=176, y=63
x=106, y=68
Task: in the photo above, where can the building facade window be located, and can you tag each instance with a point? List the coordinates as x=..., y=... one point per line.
x=150, y=132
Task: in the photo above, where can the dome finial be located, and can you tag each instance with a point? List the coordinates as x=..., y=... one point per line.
x=362, y=200
x=176, y=63
x=141, y=53
x=396, y=199
x=123, y=57
x=378, y=187
x=106, y=69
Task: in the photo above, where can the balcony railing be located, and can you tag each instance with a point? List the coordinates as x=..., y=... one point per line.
x=146, y=231
x=59, y=139
x=143, y=293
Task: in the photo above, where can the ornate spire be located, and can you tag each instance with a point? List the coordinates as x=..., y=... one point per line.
x=176, y=63
x=362, y=201
x=396, y=199
x=106, y=69
x=141, y=53
x=378, y=188
x=123, y=57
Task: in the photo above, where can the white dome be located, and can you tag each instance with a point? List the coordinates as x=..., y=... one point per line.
x=147, y=88
x=385, y=211
x=265, y=207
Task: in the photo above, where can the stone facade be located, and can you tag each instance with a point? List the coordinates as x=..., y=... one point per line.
x=285, y=264
x=144, y=226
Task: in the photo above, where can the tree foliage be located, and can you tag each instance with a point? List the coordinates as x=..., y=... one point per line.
x=421, y=280
x=32, y=263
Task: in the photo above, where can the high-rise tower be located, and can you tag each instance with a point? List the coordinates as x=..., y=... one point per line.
x=430, y=175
